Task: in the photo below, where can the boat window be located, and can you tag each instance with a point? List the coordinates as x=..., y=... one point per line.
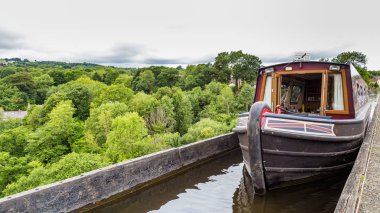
x=335, y=93
x=296, y=93
x=268, y=91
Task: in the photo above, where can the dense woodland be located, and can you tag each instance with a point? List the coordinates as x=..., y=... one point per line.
x=85, y=116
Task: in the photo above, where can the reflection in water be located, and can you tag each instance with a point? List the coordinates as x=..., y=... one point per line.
x=320, y=196
x=220, y=186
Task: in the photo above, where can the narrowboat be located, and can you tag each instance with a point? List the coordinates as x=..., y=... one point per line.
x=307, y=122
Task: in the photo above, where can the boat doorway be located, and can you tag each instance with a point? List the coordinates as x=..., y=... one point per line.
x=300, y=93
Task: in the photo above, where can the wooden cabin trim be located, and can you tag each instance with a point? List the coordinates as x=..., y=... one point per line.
x=299, y=72
x=276, y=88
x=263, y=85
x=345, y=94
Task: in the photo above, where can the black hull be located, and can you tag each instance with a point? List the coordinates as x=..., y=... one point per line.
x=276, y=159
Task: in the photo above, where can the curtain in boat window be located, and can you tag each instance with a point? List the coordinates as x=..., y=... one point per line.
x=338, y=92
x=268, y=91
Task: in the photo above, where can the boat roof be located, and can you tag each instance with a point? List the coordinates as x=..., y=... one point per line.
x=304, y=62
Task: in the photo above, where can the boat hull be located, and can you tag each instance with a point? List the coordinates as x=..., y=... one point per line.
x=279, y=157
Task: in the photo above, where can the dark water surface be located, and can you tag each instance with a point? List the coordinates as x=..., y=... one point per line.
x=222, y=186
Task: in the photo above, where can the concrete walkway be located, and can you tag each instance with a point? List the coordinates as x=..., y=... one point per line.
x=369, y=201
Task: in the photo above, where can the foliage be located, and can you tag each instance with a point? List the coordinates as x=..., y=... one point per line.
x=168, y=77
x=49, y=142
x=128, y=139
x=11, y=169
x=203, y=129
x=14, y=140
x=143, y=104
x=124, y=79
x=70, y=165
x=98, y=125
x=144, y=82
x=112, y=93
x=358, y=59
x=245, y=98
x=11, y=98
x=237, y=64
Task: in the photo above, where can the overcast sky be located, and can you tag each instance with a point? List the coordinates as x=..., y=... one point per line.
x=141, y=32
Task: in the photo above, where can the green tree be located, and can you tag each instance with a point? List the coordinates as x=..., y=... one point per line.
x=24, y=82
x=124, y=79
x=144, y=82
x=237, y=64
x=14, y=141
x=129, y=139
x=245, y=98
x=143, y=104
x=98, y=125
x=205, y=128
x=168, y=77
x=11, y=169
x=222, y=71
x=358, y=59
x=51, y=141
x=11, y=98
x=110, y=76
x=43, y=84
x=113, y=93
x=69, y=166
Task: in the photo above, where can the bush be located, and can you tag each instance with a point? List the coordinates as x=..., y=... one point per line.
x=205, y=128
x=69, y=166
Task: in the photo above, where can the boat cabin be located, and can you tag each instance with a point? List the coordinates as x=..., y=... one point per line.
x=310, y=88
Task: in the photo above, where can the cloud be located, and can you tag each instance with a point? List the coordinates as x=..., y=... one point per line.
x=156, y=60
x=136, y=54
x=9, y=40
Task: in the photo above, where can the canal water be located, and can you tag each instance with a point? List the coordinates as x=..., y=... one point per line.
x=221, y=185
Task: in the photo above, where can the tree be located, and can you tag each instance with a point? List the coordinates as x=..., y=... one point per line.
x=69, y=166
x=11, y=98
x=51, y=141
x=222, y=71
x=196, y=75
x=168, y=77
x=129, y=139
x=225, y=101
x=358, y=59
x=124, y=79
x=143, y=104
x=58, y=76
x=244, y=67
x=79, y=94
x=24, y=82
x=110, y=76
x=13, y=141
x=245, y=98
x=98, y=125
x=12, y=168
x=144, y=82
x=112, y=93
x=237, y=64
x=205, y=128
x=43, y=84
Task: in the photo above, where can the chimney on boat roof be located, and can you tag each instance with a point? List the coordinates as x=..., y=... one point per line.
x=302, y=56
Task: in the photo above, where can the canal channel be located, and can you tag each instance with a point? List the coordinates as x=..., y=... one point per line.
x=222, y=185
